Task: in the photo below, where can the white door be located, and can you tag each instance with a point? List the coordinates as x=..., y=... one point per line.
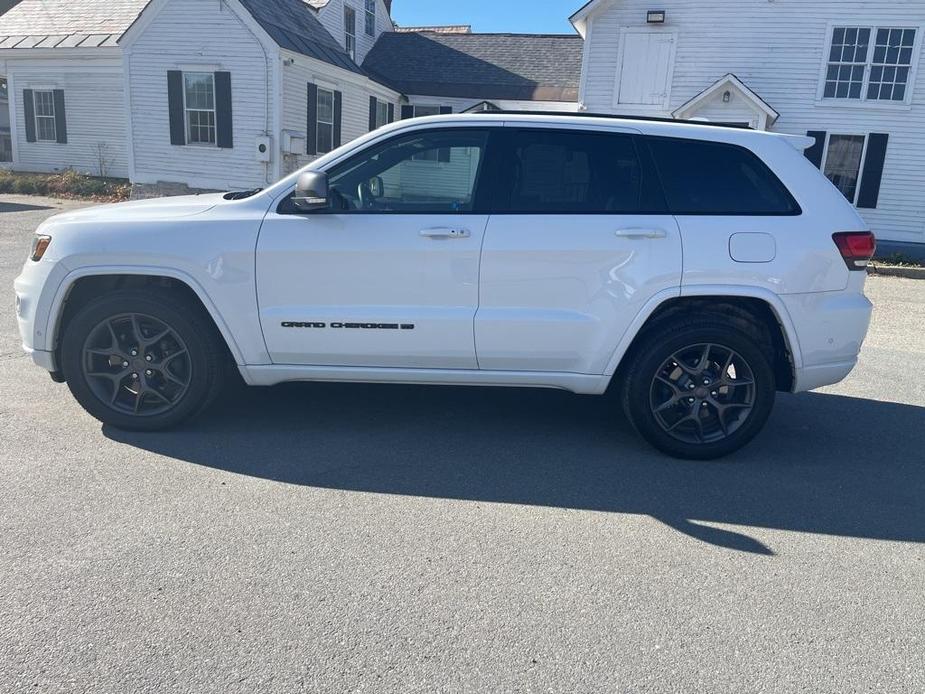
x=646, y=66
x=580, y=244
x=388, y=276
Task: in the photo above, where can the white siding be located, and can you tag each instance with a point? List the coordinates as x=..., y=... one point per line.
x=191, y=34
x=95, y=114
x=356, y=91
x=778, y=49
x=332, y=17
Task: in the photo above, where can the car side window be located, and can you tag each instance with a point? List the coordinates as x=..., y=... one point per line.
x=715, y=178
x=426, y=171
x=574, y=172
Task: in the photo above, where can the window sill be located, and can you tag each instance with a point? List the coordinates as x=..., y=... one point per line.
x=869, y=105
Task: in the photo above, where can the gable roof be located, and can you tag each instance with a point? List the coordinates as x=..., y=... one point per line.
x=67, y=23
x=293, y=25
x=579, y=19
x=730, y=81
x=534, y=67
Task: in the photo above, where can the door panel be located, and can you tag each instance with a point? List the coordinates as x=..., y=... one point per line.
x=580, y=244
x=343, y=269
x=388, y=276
x=558, y=292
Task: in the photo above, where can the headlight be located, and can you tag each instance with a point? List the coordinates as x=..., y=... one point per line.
x=40, y=243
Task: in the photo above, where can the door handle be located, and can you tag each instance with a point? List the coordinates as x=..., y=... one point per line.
x=641, y=233
x=445, y=233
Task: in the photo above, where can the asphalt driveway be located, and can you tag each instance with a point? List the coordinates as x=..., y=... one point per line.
x=409, y=539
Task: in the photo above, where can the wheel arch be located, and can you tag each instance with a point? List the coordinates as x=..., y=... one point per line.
x=83, y=284
x=763, y=308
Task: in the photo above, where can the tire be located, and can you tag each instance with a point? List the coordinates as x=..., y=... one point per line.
x=177, y=371
x=691, y=413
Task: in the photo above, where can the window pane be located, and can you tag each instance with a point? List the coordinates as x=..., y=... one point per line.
x=714, y=178
x=201, y=127
x=199, y=90
x=421, y=111
x=45, y=128
x=889, y=73
x=44, y=103
x=573, y=173
x=443, y=183
x=847, y=59
x=325, y=137
x=371, y=17
x=325, y=106
x=843, y=162
x=382, y=113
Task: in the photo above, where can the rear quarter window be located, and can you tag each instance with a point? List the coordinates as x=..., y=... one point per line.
x=715, y=178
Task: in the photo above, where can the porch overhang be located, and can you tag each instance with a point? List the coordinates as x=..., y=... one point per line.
x=726, y=90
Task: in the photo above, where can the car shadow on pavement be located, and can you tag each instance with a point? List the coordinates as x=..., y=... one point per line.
x=21, y=207
x=824, y=464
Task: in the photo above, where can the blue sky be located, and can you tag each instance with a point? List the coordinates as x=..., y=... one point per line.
x=519, y=16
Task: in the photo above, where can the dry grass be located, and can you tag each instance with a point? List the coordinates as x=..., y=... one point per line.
x=68, y=184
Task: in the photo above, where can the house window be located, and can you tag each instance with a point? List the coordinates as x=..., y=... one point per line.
x=44, y=101
x=350, y=31
x=382, y=113
x=199, y=106
x=325, y=130
x=842, y=166
x=869, y=63
x=889, y=71
x=370, y=17
x=421, y=112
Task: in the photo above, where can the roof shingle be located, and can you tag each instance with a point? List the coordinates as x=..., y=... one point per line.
x=484, y=66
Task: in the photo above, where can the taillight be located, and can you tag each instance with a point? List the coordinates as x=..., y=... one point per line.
x=856, y=247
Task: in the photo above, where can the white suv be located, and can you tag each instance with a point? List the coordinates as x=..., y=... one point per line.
x=693, y=270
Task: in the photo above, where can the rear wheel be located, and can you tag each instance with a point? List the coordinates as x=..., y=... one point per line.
x=142, y=360
x=699, y=389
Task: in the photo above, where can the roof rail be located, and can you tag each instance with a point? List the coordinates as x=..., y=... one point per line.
x=654, y=119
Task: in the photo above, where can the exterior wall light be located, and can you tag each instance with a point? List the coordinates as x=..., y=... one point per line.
x=655, y=17
x=727, y=96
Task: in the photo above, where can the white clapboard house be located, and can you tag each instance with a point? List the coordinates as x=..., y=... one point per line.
x=846, y=72
x=223, y=94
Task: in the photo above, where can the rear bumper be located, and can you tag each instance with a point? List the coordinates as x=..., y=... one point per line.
x=812, y=377
x=831, y=328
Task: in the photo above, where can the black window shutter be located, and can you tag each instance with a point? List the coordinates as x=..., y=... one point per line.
x=175, y=106
x=311, y=130
x=873, y=170
x=373, y=105
x=814, y=153
x=391, y=113
x=28, y=108
x=224, y=122
x=443, y=155
x=407, y=112
x=338, y=117
x=60, y=117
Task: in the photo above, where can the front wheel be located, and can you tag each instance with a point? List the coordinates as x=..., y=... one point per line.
x=698, y=390
x=142, y=360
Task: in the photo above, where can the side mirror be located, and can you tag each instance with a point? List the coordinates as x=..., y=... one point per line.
x=311, y=192
x=376, y=187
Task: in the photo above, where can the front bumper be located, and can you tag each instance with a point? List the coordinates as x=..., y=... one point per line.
x=35, y=290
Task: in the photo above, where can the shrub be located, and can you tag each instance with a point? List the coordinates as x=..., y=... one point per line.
x=67, y=184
